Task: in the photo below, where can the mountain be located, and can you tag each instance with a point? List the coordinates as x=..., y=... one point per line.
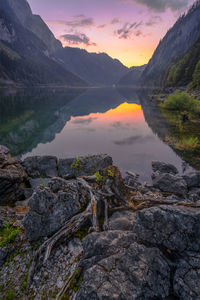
x=94, y=68
x=25, y=58
x=183, y=71
x=176, y=42
x=132, y=77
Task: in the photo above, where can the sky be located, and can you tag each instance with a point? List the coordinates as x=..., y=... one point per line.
x=128, y=30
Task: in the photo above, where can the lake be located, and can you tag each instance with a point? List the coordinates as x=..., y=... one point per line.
x=74, y=122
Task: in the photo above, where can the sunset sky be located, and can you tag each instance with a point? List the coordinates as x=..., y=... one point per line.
x=125, y=29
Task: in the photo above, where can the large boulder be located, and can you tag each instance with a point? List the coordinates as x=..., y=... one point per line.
x=52, y=206
x=41, y=166
x=162, y=167
x=118, y=268
x=173, y=227
x=170, y=183
x=85, y=165
x=12, y=178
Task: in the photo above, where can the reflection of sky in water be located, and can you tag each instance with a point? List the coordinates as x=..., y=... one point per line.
x=121, y=132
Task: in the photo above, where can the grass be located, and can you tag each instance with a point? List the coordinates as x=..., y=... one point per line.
x=8, y=234
x=190, y=143
x=181, y=102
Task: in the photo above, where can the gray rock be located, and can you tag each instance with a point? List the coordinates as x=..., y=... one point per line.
x=192, y=179
x=85, y=165
x=122, y=221
x=186, y=279
x=131, y=179
x=35, y=182
x=164, y=167
x=41, y=166
x=51, y=207
x=3, y=255
x=12, y=178
x=170, y=183
x=175, y=228
x=119, y=268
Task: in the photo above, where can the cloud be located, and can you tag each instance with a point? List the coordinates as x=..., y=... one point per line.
x=82, y=121
x=162, y=5
x=153, y=21
x=128, y=30
x=78, y=21
x=134, y=139
x=115, y=21
x=101, y=26
x=77, y=39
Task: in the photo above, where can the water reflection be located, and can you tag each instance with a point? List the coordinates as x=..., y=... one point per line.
x=74, y=122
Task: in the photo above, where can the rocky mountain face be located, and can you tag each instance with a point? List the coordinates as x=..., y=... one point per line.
x=177, y=41
x=132, y=77
x=24, y=57
x=94, y=68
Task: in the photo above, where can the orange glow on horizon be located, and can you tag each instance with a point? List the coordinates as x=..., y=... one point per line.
x=124, y=113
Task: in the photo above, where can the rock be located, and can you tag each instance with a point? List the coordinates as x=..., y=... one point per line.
x=192, y=179
x=118, y=268
x=186, y=279
x=3, y=255
x=35, y=182
x=12, y=178
x=162, y=167
x=51, y=207
x=131, y=179
x=41, y=166
x=175, y=228
x=122, y=221
x=194, y=194
x=170, y=183
x=85, y=165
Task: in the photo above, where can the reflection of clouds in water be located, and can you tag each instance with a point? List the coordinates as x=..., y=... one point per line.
x=85, y=129
x=120, y=125
x=83, y=121
x=135, y=139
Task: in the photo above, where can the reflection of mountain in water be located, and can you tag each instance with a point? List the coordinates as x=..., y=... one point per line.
x=28, y=118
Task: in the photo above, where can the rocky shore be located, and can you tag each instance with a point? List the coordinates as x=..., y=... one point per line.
x=75, y=229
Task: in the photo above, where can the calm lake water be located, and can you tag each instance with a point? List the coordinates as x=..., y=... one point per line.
x=69, y=123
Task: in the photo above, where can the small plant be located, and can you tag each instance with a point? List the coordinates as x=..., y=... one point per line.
x=110, y=173
x=99, y=177
x=190, y=143
x=180, y=102
x=10, y=295
x=77, y=164
x=8, y=234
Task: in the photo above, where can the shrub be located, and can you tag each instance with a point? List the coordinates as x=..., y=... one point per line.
x=196, y=77
x=8, y=234
x=181, y=101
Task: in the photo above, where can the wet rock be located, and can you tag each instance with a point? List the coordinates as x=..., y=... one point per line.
x=175, y=228
x=41, y=166
x=51, y=207
x=85, y=165
x=12, y=178
x=192, y=179
x=162, y=167
x=186, y=279
x=170, y=183
x=122, y=269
